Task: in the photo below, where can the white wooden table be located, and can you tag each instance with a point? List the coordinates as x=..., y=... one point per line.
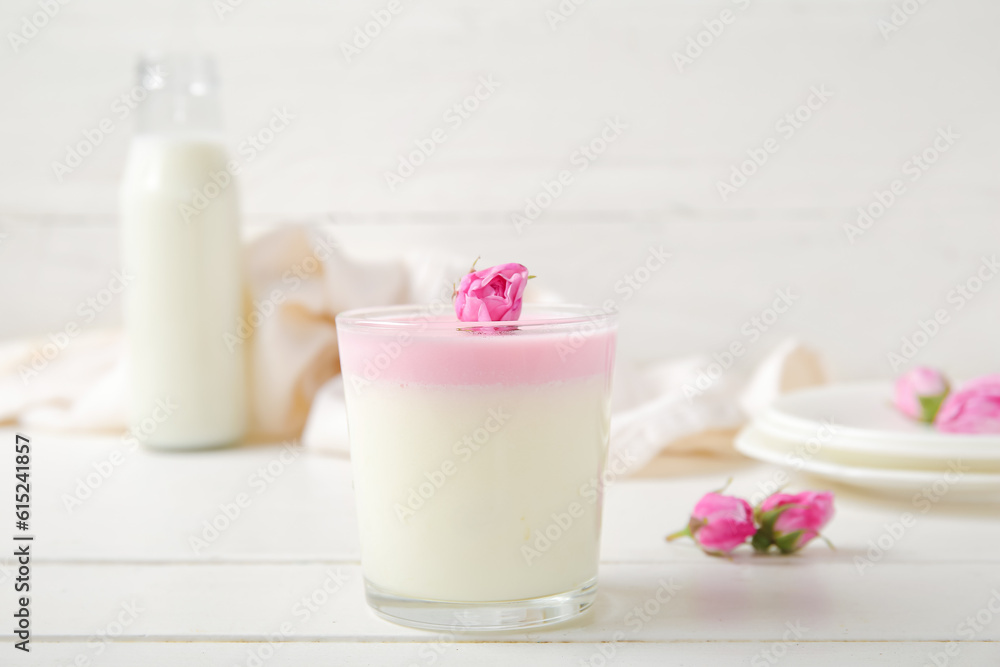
x=116, y=581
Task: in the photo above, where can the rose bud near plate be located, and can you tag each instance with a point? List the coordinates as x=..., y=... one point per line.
x=920, y=392
x=974, y=408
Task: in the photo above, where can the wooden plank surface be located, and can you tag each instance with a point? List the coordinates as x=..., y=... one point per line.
x=116, y=578
x=706, y=601
x=674, y=654
x=149, y=507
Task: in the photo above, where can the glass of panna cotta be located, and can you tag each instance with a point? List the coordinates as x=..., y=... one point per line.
x=477, y=451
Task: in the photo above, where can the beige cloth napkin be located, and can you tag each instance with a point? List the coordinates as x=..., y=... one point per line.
x=295, y=388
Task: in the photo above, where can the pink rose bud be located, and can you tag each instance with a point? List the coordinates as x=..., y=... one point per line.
x=920, y=392
x=491, y=295
x=974, y=408
x=719, y=524
x=791, y=521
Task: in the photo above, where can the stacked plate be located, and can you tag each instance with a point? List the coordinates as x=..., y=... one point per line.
x=852, y=433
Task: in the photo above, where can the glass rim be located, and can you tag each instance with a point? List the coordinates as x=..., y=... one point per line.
x=423, y=318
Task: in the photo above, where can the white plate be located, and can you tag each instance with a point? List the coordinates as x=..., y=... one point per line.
x=755, y=444
x=861, y=418
x=839, y=439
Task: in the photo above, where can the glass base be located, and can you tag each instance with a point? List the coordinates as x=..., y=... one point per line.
x=477, y=616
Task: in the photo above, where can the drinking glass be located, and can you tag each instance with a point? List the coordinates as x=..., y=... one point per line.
x=477, y=453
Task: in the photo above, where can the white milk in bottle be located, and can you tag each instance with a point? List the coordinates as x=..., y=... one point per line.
x=180, y=241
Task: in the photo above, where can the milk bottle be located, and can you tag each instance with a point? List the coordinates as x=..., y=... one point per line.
x=180, y=241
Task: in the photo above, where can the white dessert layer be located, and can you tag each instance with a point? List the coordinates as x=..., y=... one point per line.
x=479, y=493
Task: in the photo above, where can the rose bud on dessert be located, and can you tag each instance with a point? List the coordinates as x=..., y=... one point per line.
x=491, y=295
x=791, y=521
x=974, y=408
x=920, y=392
x=719, y=524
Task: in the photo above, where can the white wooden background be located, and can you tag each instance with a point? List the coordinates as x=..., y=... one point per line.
x=655, y=185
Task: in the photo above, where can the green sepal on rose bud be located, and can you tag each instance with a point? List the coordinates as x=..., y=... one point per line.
x=764, y=537
x=761, y=541
x=789, y=543
x=931, y=405
x=920, y=392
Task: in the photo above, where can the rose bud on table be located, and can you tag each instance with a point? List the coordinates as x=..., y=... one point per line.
x=791, y=521
x=719, y=524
